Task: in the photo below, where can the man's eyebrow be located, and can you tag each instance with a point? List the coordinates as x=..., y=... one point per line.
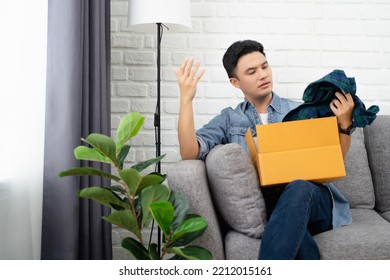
x=250, y=69
x=254, y=67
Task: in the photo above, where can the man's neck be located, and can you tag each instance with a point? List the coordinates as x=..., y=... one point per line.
x=261, y=103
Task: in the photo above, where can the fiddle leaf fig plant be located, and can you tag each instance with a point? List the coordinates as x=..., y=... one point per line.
x=136, y=199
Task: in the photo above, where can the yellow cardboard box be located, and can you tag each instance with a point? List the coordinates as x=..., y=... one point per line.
x=304, y=149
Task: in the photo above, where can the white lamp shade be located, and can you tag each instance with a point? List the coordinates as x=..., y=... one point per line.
x=144, y=14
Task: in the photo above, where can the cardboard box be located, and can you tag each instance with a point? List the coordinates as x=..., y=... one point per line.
x=305, y=149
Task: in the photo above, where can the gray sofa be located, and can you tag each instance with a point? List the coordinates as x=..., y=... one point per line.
x=224, y=190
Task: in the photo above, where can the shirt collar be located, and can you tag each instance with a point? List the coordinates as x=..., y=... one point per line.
x=276, y=103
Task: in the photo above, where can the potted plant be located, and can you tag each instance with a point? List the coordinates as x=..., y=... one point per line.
x=136, y=199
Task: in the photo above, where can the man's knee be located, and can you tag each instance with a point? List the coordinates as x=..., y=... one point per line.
x=301, y=184
x=300, y=188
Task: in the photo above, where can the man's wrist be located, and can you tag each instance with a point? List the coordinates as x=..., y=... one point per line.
x=345, y=125
x=348, y=130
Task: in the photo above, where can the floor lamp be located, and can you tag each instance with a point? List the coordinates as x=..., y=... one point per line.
x=154, y=15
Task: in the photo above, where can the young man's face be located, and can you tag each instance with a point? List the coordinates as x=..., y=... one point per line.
x=254, y=77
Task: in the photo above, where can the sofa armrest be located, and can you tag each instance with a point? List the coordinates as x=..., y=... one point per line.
x=189, y=177
x=376, y=138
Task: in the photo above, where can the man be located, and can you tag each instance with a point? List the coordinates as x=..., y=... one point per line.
x=297, y=210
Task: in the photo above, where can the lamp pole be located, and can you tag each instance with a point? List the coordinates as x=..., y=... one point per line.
x=157, y=115
x=145, y=16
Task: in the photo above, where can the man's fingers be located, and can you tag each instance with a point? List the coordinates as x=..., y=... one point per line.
x=349, y=98
x=188, y=66
x=188, y=71
x=194, y=70
x=183, y=66
x=197, y=78
x=336, y=103
x=344, y=97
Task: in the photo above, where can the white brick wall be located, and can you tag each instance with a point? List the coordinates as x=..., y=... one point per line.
x=304, y=40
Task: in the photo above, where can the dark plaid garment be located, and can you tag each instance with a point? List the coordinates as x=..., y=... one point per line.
x=318, y=95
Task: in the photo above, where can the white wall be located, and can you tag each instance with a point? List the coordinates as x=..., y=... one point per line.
x=304, y=40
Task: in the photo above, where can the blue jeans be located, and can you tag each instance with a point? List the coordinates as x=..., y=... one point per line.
x=302, y=210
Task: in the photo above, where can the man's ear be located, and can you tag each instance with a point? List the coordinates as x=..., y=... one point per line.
x=235, y=82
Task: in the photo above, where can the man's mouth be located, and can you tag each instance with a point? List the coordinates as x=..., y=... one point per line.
x=264, y=85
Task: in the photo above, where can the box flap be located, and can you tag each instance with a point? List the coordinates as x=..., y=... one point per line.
x=320, y=132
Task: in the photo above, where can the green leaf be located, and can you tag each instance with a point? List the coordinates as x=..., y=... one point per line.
x=128, y=128
x=91, y=154
x=192, y=253
x=145, y=164
x=88, y=171
x=122, y=155
x=103, y=196
x=135, y=248
x=132, y=179
x=153, y=252
x=149, y=195
x=124, y=219
x=188, y=231
x=162, y=212
x=116, y=188
x=189, y=216
x=190, y=225
x=104, y=144
x=149, y=180
x=187, y=238
x=181, y=207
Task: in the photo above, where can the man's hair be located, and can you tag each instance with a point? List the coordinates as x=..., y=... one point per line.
x=235, y=51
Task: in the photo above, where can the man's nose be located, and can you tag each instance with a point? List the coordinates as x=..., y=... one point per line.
x=262, y=75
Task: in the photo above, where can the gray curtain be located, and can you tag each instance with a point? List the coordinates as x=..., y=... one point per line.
x=77, y=104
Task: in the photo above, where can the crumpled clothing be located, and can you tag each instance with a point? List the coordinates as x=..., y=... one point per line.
x=318, y=95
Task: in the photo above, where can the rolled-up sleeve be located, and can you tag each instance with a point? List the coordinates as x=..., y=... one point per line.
x=203, y=150
x=212, y=134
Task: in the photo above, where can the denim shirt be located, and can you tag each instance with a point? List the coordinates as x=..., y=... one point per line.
x=230, y=126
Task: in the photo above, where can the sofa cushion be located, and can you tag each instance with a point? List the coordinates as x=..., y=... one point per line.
x=377, y=136
x=239, y=246
x=357, y=186
x=235, y=187
x=366, y=238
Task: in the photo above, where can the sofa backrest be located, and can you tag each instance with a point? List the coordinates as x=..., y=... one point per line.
x=377, y=140
x=357, y=186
